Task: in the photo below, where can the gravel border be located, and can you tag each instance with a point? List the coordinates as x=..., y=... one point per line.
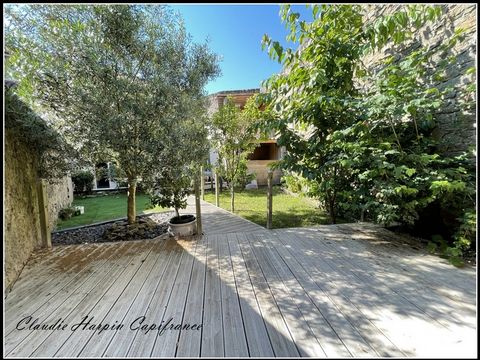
x=93, y=233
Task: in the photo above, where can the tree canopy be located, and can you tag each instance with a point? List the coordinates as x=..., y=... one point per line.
x=233, y=135
x=361, y=138
x=117, y=77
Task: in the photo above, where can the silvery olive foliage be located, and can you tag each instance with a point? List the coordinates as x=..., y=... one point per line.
x=117, y=77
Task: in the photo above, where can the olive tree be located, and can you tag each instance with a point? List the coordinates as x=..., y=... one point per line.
x=186, y=148
x=114, y=75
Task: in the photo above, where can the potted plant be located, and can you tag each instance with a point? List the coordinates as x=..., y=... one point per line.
x=171, y=188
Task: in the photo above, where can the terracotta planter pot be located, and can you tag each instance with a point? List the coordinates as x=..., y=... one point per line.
x=185, y=225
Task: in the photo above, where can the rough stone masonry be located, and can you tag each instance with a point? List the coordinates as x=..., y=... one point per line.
x=456, y=129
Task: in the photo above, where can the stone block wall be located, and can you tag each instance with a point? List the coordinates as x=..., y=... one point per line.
x=456, y=129
x=60, y=195
x=22, y=215
x=22, y=222
x=260, y=169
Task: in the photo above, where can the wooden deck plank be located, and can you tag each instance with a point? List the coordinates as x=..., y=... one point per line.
x=17, y=341
x=404, y=257
x=420, y=293
x=279, y=333
x=412, y=323
x=39, y=304
x=37, y=265
x=315, y=307
x=97, y=304
x=383, y=281
x=304, y=337
x=74, y=344
x=143, y=341
x=74, y=305
x=328, y=278
x=399, y=261
x=98, y=342
x=212, y=334
x=362, y=295
x=389, y=288
x=190, y=341
x=216, y=220
x=332, y=305
x=166, y=343
x=256, y=333
x=233, y=329
x=122, y=340
x=323, y=291
x=60, y=273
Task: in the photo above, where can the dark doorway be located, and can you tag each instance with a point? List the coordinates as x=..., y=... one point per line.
x=266, y=151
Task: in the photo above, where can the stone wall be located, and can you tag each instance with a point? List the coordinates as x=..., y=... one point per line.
x=260, y=169
x=22, y=222
x=22, y=215
x=60, y=195
x=456, y=129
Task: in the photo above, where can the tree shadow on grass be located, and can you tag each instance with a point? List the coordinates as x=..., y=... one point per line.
x=287, y=219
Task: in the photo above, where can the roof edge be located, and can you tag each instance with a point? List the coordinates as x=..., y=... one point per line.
x=236, y=92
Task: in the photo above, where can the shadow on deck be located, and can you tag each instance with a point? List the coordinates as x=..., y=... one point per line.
x=329, y=291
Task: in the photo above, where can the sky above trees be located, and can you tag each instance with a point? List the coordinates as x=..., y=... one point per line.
x=235, y=33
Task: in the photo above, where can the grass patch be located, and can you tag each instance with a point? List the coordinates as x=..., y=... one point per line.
x=106, y=207
x=288, y=210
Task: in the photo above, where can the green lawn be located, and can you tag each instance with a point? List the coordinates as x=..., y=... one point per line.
x=107, y=207
x=288, y=210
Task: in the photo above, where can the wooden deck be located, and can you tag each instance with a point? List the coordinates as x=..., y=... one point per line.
x=329, y=291
x=216, y=220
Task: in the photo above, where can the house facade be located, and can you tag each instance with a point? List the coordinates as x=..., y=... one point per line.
x=264, y=154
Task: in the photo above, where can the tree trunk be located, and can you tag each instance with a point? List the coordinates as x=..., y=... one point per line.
x=198, y=210
x=331, y=210
x=217, y=191
x=269, y=199
x=132, y=188
x=177, y=214
x=232, y=198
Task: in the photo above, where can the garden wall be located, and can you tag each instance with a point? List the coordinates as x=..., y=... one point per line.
x=260, y=169
x=22, y=222
x=456, y=129
x=22, y=216
x=60, y=195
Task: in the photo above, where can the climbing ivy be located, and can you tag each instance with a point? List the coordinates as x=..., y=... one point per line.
x=54, y=156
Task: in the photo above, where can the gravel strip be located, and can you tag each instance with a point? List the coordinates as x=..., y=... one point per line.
x=94, y=234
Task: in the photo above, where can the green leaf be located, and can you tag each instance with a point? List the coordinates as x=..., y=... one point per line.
x=410, y=172
x=470, y=71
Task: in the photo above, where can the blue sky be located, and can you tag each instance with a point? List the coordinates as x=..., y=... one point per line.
x=235, y=32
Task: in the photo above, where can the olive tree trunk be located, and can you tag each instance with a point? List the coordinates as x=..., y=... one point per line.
x=232, y=198
x=131, y=209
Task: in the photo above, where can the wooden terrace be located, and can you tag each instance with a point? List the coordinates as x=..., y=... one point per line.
x=241, y=291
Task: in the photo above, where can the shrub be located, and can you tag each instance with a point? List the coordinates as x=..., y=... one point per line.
x=83, y=181
x=293, y=183
x=243, y=176
x=67, y=213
